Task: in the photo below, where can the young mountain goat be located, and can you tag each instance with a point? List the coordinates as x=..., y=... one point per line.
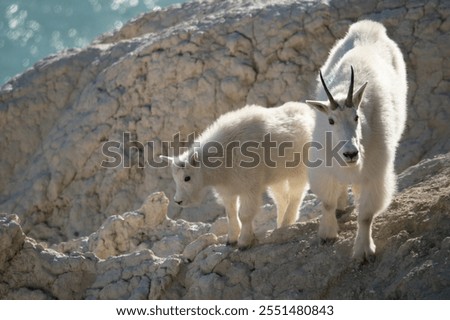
x=364, y=128
x=240, y=155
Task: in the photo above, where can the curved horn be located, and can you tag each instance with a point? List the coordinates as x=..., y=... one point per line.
x=333, y=103
x=349, y=100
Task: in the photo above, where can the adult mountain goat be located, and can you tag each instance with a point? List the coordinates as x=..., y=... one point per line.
x=243, y=153
x=358, y=131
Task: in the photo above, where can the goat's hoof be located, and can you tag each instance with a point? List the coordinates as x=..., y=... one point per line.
x=232, y=240
x=231, y=243
x=328, y=231
x=327, y=241
x=365, y=260
x=370, y=258
x=242, y=246
x=363, y=257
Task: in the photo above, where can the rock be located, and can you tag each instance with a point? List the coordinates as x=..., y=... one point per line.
x=41, y=273
x=154, y=209
x=146, y=228
x=421, y=171
x=194, y=248
x=11, y=238
x=82, y=131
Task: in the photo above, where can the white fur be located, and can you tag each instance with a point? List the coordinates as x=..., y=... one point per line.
x=381, y=108
x=241, y=189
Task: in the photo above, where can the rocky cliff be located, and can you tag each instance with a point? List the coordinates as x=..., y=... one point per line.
x=70, y=223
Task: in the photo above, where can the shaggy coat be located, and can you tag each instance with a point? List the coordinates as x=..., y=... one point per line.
x=241, y=155
x=365, y=126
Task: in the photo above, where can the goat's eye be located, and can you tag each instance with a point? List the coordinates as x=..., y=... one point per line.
x=331, y=121
x=187, y=178
x=356, y=118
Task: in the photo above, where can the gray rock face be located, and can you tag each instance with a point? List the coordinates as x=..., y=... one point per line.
x=72, y=229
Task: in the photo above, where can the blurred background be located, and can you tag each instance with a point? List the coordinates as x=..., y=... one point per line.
x=33, y=29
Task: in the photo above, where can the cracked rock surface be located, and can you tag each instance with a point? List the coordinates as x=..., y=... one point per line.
x=73, y=229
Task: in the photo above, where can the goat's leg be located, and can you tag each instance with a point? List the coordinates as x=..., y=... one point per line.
x=374, y=197
x=327, y=190
x=250, y=204
x=343, y=198
x=234, y=225
x=328, y=227
x=297, y=193
x=280, y=194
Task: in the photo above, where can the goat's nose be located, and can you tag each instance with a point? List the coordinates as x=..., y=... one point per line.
x=179, y=202
x=351, y=155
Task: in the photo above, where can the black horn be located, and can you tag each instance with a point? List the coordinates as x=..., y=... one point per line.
x=333, y=103
x=349, y=100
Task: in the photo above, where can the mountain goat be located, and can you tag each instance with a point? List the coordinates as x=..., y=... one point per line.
x=243, y=153
x=361, y=128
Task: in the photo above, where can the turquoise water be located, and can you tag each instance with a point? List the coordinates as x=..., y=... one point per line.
x=33, y=29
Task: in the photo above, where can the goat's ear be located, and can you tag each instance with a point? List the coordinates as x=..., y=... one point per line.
x=168, y=159
x=322, y=106
x=358, y=95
